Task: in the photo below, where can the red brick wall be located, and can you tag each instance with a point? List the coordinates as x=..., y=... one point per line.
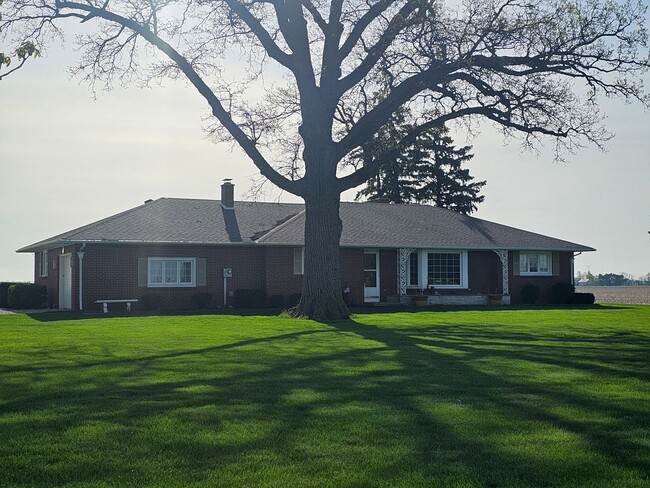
x=111, y=272
x=484, y=273
x=280, y=279
x=352, y=273
x=388, y=273
x=543, y=282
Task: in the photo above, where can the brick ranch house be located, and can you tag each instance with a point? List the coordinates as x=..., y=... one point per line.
x=179, y=247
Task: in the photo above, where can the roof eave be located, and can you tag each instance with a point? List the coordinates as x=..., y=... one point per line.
x=576, y=248
x=45, y=245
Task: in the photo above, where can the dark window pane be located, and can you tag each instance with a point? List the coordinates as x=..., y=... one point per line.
x=370, y=279
x=370, y=261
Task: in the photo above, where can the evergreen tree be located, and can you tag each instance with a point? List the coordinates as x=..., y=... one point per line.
x=428, y=170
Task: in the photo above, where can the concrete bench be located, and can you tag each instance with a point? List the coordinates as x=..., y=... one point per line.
x=128, y=302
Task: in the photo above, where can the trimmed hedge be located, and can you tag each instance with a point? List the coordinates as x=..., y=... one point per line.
x=562, y=293
x=4, y=291
x=584, y=298
x=529, y=294
x=249, y=298
x=201, y=300
x=276, y=301
x=293, y=299
x=27, y=295
x=150, y=301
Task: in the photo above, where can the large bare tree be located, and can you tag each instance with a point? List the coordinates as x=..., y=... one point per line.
x=533, y=67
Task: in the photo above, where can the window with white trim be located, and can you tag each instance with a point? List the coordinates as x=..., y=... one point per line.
x=437, y=269
x=444, y=269
x=171, y=272
x=298, y=260
x=42, y=264
x=535, y=263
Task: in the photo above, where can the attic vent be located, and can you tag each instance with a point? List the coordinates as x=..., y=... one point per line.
x=148, y=201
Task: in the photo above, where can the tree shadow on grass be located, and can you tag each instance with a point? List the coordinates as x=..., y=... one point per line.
x=55, y=316
x=337, y=404
x=471, y=357
x=482, y=308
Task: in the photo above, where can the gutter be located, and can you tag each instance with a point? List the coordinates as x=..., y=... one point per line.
x=573, y=271
x=80, y=256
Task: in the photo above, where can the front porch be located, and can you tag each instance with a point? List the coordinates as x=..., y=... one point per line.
x=449, y=295
x=419, y=300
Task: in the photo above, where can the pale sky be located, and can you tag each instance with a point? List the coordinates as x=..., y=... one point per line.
x=67, y=160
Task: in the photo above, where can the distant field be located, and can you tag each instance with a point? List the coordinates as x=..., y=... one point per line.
x=618, y=294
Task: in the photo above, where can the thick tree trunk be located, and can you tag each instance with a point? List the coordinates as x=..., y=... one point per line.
x=322, y=297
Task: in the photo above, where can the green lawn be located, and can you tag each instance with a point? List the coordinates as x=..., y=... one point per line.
x=482, y=398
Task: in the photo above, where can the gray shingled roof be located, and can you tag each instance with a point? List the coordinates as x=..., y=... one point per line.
x=188, y=221
x=374, y=224
x=179, y=220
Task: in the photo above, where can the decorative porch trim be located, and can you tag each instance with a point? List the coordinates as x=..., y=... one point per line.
x=503, y=256
x=404, y=254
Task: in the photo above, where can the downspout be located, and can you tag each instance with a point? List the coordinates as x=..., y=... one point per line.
x=573, y=272
x=80, y=256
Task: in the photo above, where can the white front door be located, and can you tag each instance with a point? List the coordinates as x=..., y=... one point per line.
x=65, y=281
x=371, y=276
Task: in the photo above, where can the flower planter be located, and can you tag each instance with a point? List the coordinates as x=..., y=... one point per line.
x=421, y=301
x=495, y=299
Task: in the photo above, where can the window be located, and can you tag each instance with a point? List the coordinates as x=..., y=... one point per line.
x=536, y=263
x=443, y=269
x=172, y=272
x=298, y=260
x=42, y=264
x=438, y=269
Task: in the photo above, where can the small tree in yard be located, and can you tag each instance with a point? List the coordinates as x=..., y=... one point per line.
x=531, y=67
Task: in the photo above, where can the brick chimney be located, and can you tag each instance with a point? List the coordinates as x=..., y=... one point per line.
x=227, y=194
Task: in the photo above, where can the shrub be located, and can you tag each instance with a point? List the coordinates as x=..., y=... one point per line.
x=201, y=300
x=27, y=295
x=276, y=301
x=249, y=298
x=584, y=298
x=562, y=293
x=150, y=301
x=529, y=294
x=293, y=299
x=4, y=291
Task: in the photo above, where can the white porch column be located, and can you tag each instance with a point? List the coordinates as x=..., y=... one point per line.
x=404, y=254
x=503, y=256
